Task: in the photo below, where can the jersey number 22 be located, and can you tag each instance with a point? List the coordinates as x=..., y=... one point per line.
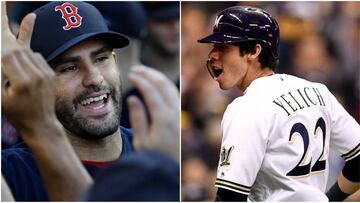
x=302, y=170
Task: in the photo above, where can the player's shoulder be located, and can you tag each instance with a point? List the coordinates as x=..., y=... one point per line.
x=270, y=86
x=246, y=107
x=20, y=171
x=127, y=137
x=259, y=97
x=17, y=159
x=297, y=81
x=126, y=132
x=257, y=94
x=19, y=151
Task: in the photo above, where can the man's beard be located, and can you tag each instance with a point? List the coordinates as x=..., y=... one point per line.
x=90, y=129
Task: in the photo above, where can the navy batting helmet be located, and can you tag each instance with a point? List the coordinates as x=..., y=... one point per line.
x=243, y=23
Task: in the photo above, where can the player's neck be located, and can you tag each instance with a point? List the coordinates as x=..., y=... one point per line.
x=254, y=74
x=105, y=149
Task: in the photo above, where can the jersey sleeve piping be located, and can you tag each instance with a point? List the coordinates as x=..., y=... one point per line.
x=352, y=153
x=232, y=186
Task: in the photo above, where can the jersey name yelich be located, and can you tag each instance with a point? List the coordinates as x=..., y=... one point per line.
x=299, y=99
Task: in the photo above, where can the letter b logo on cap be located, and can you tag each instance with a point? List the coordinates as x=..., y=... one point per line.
x=70, y=15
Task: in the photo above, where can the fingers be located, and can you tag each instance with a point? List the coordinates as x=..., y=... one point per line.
x=43, y=65
x=162, y=99
x=12, y=68
x=31, y=91
x=166, y=88
x=8, y=40
x=138, y=121
x=160, y=93
x=3, y=87
x=46, y=69
x=24, y=67
x=152, y=96
x=4, y=19
x=26, y=30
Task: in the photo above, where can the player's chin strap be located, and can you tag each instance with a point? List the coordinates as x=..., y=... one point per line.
x=351, y=173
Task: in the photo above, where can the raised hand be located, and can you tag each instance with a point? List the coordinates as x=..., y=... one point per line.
x=28, y=81
x=8, y=39
x=162, y=99
x=29, y=99
x=26, y=30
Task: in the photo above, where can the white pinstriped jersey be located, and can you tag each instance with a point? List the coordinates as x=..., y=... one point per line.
x=276, y=140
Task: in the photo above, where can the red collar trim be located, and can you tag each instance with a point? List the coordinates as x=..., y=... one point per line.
x=98, y=163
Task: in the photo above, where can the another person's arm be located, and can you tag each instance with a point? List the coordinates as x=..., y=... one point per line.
x=28, y=101
x=348, y=184
x=162, y=99
x=345, y=137
x=354, y=196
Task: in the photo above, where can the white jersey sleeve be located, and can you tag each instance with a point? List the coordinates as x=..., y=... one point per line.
x=243, y=146
x=345, y=131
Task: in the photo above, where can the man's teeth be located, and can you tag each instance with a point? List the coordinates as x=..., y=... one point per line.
x=93, y=99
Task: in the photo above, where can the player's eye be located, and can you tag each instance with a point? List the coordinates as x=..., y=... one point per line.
x=67, y=69
x=101, y=59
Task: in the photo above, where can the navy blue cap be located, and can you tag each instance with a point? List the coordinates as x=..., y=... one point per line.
x=61, y=25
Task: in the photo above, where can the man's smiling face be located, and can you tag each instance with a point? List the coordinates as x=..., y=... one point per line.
x=88, y=89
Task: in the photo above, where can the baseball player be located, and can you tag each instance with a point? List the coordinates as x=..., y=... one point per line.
x=276, y=137
x=82, y=88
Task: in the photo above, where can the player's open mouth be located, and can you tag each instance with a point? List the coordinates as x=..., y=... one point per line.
x=217, y=71
x=96, y=105
x=214, y=71
x=97, y=101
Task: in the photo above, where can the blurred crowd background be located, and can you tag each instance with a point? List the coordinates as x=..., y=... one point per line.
x=320, y=41
x=154, y=32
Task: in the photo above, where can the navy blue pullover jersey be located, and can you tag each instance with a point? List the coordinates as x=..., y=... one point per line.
x=23, y=176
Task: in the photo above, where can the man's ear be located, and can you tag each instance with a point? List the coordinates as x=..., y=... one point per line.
x=113, y=54
x=253, y=55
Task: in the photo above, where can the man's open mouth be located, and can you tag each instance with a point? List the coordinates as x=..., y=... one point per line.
x=217, y=72
x=214, y=71
x=96, y=102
